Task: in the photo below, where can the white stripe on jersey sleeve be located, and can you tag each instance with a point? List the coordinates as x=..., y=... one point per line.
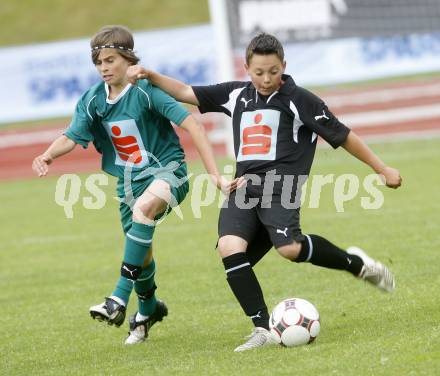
x=297, y=122
x=148, y=97
x=232, y=102
x=88, y=105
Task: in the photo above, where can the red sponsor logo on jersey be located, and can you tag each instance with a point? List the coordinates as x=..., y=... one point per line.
x=257, y=138
x=126, y=146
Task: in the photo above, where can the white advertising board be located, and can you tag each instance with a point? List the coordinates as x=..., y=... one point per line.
x=46, y=80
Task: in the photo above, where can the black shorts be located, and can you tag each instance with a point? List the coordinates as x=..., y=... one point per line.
x=281, y=224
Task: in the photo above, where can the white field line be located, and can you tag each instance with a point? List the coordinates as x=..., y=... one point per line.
x=217, y=135
x=401, y=136
x=391, y=137
x=29, y=138
x=381, y=96
x=393, y=116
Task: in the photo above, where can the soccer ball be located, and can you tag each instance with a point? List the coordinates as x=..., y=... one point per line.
x=294, y=322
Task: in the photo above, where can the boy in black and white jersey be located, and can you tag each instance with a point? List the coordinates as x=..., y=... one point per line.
x=275, y=125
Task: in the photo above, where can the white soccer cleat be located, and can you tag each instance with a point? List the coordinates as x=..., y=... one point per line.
x=258, y=338
x=110, y=311
x=136, y=335
x=374, y=271
x=139, y=329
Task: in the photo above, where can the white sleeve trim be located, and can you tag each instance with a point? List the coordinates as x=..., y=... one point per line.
x=88, y=105
x=297, y=122
x=146, y=94
x=232, y=102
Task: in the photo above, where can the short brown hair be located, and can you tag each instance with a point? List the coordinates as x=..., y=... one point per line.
x=116, y=35
x=264, y=44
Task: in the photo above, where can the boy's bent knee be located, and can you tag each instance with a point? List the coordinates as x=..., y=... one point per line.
x=152, y=202
x=144, y=212
x=290, y=251
x=231, y=244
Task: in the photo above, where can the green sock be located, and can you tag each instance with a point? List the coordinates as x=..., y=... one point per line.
x=137, y=245
x=144, y=287
x=123, y=289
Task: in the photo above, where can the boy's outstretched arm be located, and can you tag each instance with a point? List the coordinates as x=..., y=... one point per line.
x=62, y=145
x=356, y=147
x=177, y=89
x=206, y=153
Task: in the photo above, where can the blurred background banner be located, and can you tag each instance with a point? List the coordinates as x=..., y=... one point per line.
x=304, y=20
x=326, y=42
x=46, y=80
x=335, y=41
x=354, y=59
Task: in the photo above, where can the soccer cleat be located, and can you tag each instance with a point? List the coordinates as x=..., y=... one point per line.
x=139, y=329
x=110, y=311
x=373, y=271
x=258, y=338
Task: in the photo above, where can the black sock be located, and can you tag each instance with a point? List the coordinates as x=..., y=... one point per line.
x=321, y=252
x=246, y=288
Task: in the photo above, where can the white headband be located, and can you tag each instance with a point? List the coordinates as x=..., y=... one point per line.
x=112, y=46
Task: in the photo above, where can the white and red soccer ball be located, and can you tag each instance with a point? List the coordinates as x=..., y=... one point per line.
x=294, y=322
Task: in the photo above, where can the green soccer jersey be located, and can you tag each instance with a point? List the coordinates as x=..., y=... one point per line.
x=133, y=127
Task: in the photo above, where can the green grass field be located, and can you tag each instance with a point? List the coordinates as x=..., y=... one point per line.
x=53, y=269
x=30, y=21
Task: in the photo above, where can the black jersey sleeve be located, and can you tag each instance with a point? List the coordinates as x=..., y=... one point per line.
x=316, y=116
x=219, y=97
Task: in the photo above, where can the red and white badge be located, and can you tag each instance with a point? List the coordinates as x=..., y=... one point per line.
x=127, y=142
x=258, y=135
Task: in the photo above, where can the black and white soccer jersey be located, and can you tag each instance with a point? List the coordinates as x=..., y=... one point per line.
x=278, y=132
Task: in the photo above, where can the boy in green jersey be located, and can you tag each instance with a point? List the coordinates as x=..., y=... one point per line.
x=130, y=126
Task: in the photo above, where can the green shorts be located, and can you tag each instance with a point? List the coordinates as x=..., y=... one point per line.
x=179, y=188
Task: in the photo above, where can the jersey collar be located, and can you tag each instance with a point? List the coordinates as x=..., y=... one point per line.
x=286, y=88
x=266, y=98
x=118, y=98
x=289, y=85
